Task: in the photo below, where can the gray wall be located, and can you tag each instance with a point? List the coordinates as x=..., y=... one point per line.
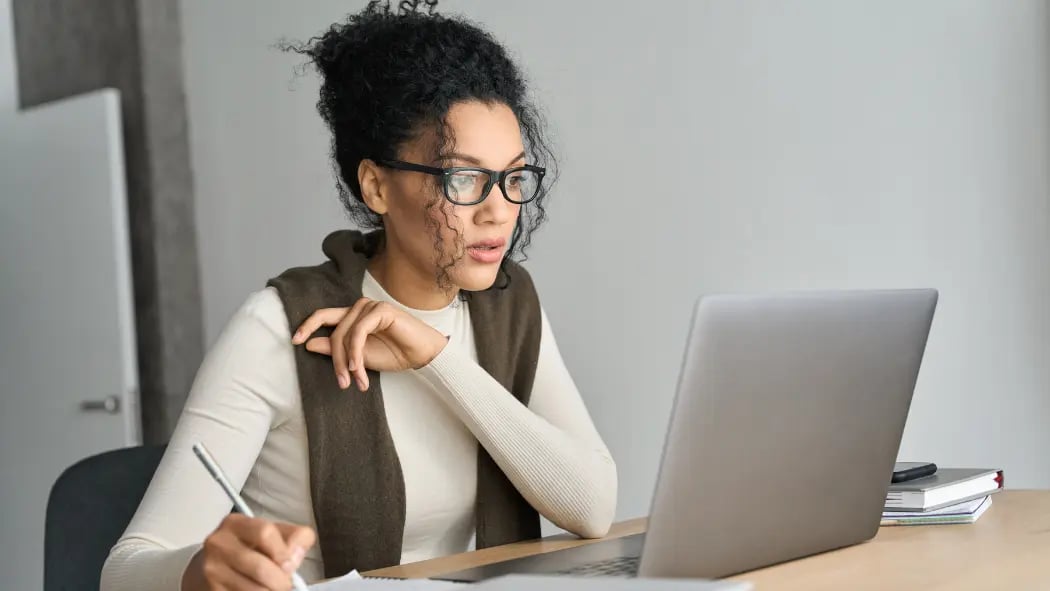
x=8, y=76
x=709, y=146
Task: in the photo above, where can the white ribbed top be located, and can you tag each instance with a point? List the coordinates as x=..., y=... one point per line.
x=245, y=406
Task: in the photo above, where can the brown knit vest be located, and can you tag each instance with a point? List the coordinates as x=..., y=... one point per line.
x=356, y=483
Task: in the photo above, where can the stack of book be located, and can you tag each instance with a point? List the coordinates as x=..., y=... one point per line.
x=951, y=495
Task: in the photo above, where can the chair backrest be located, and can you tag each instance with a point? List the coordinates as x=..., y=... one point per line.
x=90, y=506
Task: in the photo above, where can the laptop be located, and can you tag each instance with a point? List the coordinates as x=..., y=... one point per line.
x=785, y=429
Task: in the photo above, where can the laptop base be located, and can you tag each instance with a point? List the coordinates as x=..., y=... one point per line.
x=596, y=557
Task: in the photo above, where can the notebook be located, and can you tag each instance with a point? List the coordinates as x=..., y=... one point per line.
x=948, y=486
x=965, y=512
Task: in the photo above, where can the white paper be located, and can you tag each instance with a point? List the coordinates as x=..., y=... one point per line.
x=342, y=582
x=352, y=581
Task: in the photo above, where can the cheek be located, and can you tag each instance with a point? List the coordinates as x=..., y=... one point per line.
x=426, y=220
x=416, y=205
x=421, y=213
x=448, y=217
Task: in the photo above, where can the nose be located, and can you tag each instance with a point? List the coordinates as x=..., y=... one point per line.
x=495, y=209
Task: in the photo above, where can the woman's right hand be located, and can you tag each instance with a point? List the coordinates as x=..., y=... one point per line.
x=248, y=553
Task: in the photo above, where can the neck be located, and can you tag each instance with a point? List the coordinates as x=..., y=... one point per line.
x=406, y=283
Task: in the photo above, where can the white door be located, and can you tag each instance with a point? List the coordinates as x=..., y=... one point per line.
x=68, y=373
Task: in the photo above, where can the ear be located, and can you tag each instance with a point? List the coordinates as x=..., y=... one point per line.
x=370, y=178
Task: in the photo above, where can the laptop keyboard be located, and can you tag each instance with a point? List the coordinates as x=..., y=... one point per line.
x=624, y=566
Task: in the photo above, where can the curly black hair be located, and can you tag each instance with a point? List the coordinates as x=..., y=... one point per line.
x=389, y=76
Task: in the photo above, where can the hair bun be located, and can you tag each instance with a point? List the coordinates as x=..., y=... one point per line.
x=403, y=7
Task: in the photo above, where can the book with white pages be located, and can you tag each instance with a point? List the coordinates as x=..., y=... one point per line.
x=960, y=513
x=949, y=486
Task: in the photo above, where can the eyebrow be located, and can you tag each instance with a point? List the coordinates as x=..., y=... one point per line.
x=475, y=161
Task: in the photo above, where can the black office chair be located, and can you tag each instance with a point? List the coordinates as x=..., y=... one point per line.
x=90, y=505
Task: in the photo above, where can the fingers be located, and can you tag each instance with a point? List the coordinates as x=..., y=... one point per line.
x=261, y=535
x=298, y=538
x=350, y=340
x=322, y=317
x=373, y=319
x=238, y=555
x=322, y=345
x=252, y=554
x=340, y=362
x=252, y=568
x=221, y=576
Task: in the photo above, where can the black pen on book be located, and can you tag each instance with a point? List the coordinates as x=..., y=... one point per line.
x=220, y=477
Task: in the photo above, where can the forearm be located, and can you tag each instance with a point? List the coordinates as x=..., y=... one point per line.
x=571, y=480
x=136, y=564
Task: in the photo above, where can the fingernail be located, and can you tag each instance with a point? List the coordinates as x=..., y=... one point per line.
x=288, y=566
x=298, y=553
x=298, y=335
x=362, y=385
x=344, y=382
x=352, y=365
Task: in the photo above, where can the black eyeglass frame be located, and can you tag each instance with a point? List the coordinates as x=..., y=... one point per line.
x=495, y=177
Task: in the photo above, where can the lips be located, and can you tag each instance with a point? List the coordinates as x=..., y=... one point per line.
x=487, y=251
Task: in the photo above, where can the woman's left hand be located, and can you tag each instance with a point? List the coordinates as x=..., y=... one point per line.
x=370, y=335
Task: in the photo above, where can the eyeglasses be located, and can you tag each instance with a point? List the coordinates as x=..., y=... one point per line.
x=466, y=185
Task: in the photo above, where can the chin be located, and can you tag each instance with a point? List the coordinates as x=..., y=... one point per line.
x=476, y=279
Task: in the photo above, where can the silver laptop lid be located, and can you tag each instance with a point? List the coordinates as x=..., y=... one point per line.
x=786, y=424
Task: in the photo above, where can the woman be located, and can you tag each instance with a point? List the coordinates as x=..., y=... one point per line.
x=412, y=344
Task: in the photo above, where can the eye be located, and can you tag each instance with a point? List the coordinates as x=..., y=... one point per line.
x=462, y=180
x=465, y=185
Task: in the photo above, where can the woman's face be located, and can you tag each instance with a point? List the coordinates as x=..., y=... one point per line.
x=473, y=238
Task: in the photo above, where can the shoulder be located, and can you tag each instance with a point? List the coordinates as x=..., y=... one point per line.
x=252, y=360
x=266, y=308
x=305, y=281
x=258, y=327
x=346, y=253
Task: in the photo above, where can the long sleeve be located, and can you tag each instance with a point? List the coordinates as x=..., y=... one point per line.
x=550, y=450
x=245, y=406
x=240, y=392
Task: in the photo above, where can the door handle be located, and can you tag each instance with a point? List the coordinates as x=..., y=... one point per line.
x=109, y=404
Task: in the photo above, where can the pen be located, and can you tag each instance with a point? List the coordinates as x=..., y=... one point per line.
x=220, y=477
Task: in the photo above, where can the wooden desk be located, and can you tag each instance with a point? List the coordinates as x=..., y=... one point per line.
x=1008, y=548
